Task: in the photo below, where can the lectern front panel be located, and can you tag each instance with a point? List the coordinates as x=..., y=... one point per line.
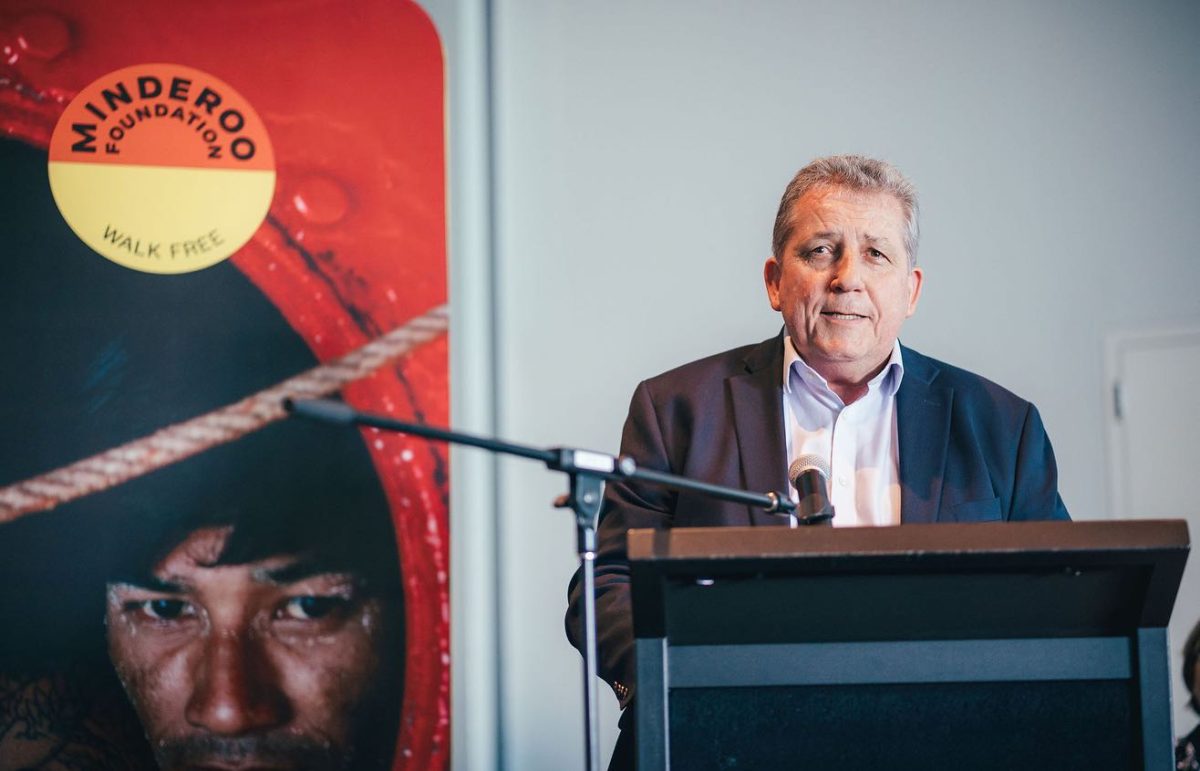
x=1043, y=726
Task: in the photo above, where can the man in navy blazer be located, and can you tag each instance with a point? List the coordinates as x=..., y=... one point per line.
x=943, y=444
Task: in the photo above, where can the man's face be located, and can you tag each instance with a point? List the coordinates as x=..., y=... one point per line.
x=842, y=281
x=261, y=665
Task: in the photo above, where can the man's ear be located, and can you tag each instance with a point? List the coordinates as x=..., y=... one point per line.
x=771, y=276
x=915, y=280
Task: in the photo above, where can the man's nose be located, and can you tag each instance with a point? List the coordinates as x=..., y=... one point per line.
x=236, y=689
x=847, y=274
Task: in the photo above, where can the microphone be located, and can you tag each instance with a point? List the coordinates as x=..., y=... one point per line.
x=809, y=474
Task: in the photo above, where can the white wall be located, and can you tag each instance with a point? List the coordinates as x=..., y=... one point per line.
x=639, y=151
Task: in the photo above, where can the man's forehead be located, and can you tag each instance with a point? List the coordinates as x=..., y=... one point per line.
x=200, y=548
x=833, y=210
x=835, y=192
x=201, y=551
x=840, y=203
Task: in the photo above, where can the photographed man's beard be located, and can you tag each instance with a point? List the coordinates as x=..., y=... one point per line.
x=265, y=751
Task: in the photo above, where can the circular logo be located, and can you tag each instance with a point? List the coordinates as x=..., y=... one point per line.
x=162, y=168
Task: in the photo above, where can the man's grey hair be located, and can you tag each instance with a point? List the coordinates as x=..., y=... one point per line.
x=856, y=172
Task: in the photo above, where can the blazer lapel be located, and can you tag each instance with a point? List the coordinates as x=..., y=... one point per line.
x=923, y=431
x=756, y=400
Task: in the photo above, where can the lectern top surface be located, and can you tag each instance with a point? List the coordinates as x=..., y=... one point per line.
x=1054, y=538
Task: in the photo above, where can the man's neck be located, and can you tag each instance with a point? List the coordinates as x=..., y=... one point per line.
x=850, y=381
x=849, y=392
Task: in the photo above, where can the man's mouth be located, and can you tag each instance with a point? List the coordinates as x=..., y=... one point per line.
x=272, y=751
x=245, y=764
x=842, y=316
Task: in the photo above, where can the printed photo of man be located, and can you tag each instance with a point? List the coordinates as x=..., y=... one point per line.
x=247, y=597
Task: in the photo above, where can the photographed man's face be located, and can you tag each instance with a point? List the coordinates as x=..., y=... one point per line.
x=258, y=665
x=843, y=282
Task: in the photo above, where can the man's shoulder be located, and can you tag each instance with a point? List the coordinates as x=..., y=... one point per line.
x=712, y=371
x=966, y=384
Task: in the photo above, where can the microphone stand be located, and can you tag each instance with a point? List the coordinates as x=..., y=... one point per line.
x=587, y=471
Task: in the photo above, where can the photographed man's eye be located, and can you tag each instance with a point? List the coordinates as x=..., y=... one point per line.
x=162, y=608
x=313, y=607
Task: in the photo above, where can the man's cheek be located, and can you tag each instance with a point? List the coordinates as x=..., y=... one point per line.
x=155, y=682
x=327, y=679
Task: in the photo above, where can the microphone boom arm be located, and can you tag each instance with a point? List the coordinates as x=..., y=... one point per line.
x=568, y=460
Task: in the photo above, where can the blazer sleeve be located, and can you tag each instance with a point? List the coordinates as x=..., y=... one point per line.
x=626, y=505
x=1035, y=481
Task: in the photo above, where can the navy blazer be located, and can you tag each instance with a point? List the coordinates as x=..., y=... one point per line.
x=970, y=451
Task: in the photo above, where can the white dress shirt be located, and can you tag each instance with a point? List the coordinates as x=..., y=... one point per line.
x=859, y=439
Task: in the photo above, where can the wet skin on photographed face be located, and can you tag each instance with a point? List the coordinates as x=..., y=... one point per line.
x=260, y=665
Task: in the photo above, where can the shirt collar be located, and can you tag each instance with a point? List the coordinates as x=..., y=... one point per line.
x=888, y=379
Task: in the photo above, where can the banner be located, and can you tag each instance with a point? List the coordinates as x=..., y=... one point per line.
x=209, y=207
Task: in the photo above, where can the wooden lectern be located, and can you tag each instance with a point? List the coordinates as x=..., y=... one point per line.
x=1038, y=645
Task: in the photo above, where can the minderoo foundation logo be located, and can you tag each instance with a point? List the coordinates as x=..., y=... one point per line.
x=162, y=168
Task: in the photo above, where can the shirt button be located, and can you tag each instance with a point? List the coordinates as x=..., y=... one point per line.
x=843, y=481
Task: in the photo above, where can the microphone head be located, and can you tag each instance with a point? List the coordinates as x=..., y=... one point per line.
x=813, y=506
x=806, y=462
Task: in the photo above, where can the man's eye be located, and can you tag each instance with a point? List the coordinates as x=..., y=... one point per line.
x=162, y=609
x=876, y=254
x=313, y=607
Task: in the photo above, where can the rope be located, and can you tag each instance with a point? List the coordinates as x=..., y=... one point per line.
x=182, y=440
